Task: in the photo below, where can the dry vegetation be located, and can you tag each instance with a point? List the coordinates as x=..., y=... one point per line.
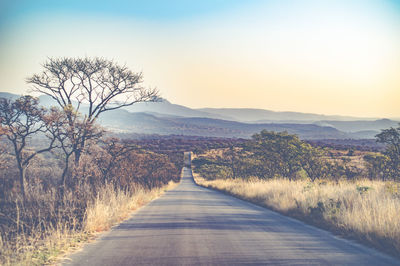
x=111, y=207
x=320, y=185
x=365, y=210
x=104, y=188
x=61, y=177
x=48, y=241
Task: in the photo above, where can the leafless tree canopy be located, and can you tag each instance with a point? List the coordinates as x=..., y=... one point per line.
x=97, y=83
x=20, y=120
x=100, y=83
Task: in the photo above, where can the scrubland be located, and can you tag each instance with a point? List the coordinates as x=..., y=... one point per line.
x=361, y=209
x=49, y=240
x=63, y=176
x=111, y=207
x=50, y=219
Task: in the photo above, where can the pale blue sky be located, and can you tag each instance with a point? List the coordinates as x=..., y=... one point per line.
x=333, y=57
x=155, y=10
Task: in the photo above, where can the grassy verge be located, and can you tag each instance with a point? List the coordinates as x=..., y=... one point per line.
x=49, y=243
x=367, y=211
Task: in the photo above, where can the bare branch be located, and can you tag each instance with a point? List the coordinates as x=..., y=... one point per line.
x=100, y=84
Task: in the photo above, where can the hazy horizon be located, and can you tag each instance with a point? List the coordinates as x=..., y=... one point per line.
x=333, y=58
x=347, y=117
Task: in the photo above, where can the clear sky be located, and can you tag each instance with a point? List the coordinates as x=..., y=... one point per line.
x=330, y=57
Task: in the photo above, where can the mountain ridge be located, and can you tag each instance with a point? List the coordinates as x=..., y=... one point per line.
x=256, y=115
x=166, y=118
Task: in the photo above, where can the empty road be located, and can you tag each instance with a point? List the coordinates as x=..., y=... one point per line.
x=191, y=225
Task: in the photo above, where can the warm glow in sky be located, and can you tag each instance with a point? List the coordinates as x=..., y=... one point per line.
x=331, y=57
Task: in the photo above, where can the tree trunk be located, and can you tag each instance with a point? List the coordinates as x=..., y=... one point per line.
x=62, y=185
x=22, y=171
x=77, y=154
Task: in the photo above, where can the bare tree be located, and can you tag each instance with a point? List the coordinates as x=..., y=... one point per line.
x=95, y=85
x=20, y=120
x=66, y=134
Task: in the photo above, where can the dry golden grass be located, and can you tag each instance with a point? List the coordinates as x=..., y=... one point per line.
x=365, y=210
x=48, y=243
x=111, y=207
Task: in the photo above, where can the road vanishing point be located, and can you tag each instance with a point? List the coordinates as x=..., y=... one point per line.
x=192, y=225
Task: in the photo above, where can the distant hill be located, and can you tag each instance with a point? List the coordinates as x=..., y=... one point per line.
x=266, y=116
x=165, y=118
x=250, y=115
x=144, y=123
x=8, y=95
x=45, y=100
x=354, y=126
x=363, y=134
x=165, y=108
x=360, y=129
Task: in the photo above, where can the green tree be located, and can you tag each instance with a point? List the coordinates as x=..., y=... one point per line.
x=376, y=165
x=313, y=163
x=280, y=153
x=391, y=137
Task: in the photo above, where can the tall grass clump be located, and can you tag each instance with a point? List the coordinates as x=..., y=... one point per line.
x=37, y=238
x=112, y=206
x=364, y=210
x=40, y=226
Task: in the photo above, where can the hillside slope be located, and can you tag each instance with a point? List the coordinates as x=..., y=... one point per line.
x=144, y=123
x=165, y=118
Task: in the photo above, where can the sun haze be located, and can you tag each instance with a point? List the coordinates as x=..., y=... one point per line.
x=329, y=57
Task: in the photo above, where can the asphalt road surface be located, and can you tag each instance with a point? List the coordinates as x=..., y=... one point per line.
x=191, y=225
